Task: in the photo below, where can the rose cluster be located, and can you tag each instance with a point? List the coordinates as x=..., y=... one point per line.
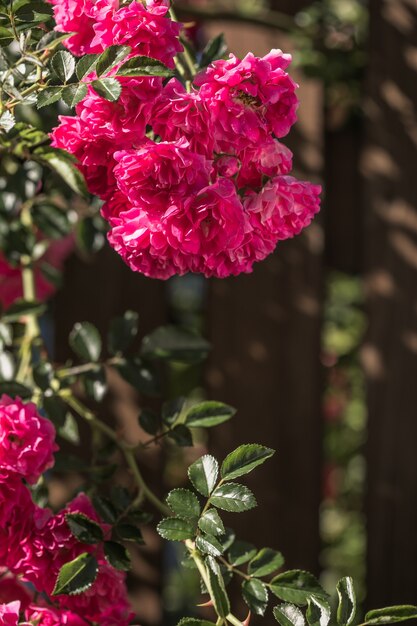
x=193, y=177
x=35, y=543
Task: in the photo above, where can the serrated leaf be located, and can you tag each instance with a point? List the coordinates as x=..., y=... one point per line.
x=84, y=529
x=214, y=50
x=211, y=523
x=117, y=556
x=203, y=474
x=233, y=497
x=176, y=529
x=59, y=162
x=391, y=614
x=12, y=388
x=137, y=374
x=228, y=538
x=265, y=562
x=123, y=331
x=181, y=435
x=110, y=58
x=208, y=544
x=244, y=459
x=86, y=65
x=76, y=576
x=108, y=88
x=149, y=421
x=6, y=36
x=85, y=340
x=55, y=408
x=173, y=343
x=217, y=587
x=296, y=586
x=318, y=611
x=241, y=552
x=63, y=64
x=255, y=595
x=171, y=410
x=7, y=121
x=144, y=66
x=129, y=532
x=346, y=609
x=73, y=94
x=192, y=621
x=105, y=509
x=22, y=308
x=183, y=503
x=288, y=615
x=208, y=414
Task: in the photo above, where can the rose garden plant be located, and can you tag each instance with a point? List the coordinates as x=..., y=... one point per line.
x=182, y=149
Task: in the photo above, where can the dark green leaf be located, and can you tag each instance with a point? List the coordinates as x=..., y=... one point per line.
x=122, y=332
x=171, y=410
x=117, y=555
x=84, y=529
x=214, y=50
x=86, y=65
x=33, y=12
x=105, y=509
x=23, y=308
x=63, y=64
x=318, y=611
x=6, y=36
x=76, y=576
x=233, y=497
x=391, y=614
x=108, y=88
x=173, y=343
x=144, y=66
x=73, y=94
x=217, y=587
x=183, y=503
x=137, y=374
x=95, y=383
x=90, y=234
x=181, y=435
x=296, y=586
x=203, y=474
x=192, y=621
x=13, y=389
x=208, y=544
x=227, y=539
x=55, y=408
x=288, y=615
x=64, y=167
x=85, y=340
x=69, y=430
x=129, y=532
x=211, y=523
x=208, y=414
x=110, y=58
x=255, y=595
x=149, y=421
x=346, y=610
x=241, y=552
x=176, y=529
x=265, y=562
x=52, y=221
x=244, y=459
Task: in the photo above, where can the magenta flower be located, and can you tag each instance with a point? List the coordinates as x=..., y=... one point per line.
x=9, y=613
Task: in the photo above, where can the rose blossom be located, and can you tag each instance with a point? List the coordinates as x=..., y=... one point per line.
x=9, y=613
x=27, y=440
x=16, y=518
x=51, y=616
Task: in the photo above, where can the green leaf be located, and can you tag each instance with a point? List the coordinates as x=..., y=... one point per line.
x=191, y=621
x=149, y=421
x=55, y=408
x=110, y=58
x=85, y=340
x=52, y=220
x=105, y=509
x=176, y=529
x=203, y=474
x=346, y=610
x=86, y=65
x=255, y=595
x=228, y=538
x=137, y=374
x=208, y=544
x=244, y=459
x=59, y=162
x=217, y=588
x=117, y=556
x=173, y=343
x=63, y=64
x=84, y=529
x=90, y=234
x=7, y=366
x=288, y=615
x=211, y=523
x=208, y=414
x=318, y=611
x=13, y=389
x=76, y=576
x=233, y=497
x=69, y=430
x=73, y=94
x=33, y=12
x=123, y=331
x=144, y=66
x=181, y=435
x=183, y=503
x=7, y=121
x=241, y=552
x=296, y=586
x=6, y=36
x=129, y=532
x=22, y=308
x=171, y=410
x=265, y=562
x=214, y=50
x=95, y=383
x=391, y=614
x=108, y=88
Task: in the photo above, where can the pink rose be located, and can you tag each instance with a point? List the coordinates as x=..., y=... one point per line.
x=9, y=613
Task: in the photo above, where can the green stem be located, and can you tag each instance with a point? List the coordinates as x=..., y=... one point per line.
x=233, y=569
x=145, y=492
x=233, y=620
x=185, y=55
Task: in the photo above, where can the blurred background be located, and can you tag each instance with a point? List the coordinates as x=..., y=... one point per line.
x=318, y=347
